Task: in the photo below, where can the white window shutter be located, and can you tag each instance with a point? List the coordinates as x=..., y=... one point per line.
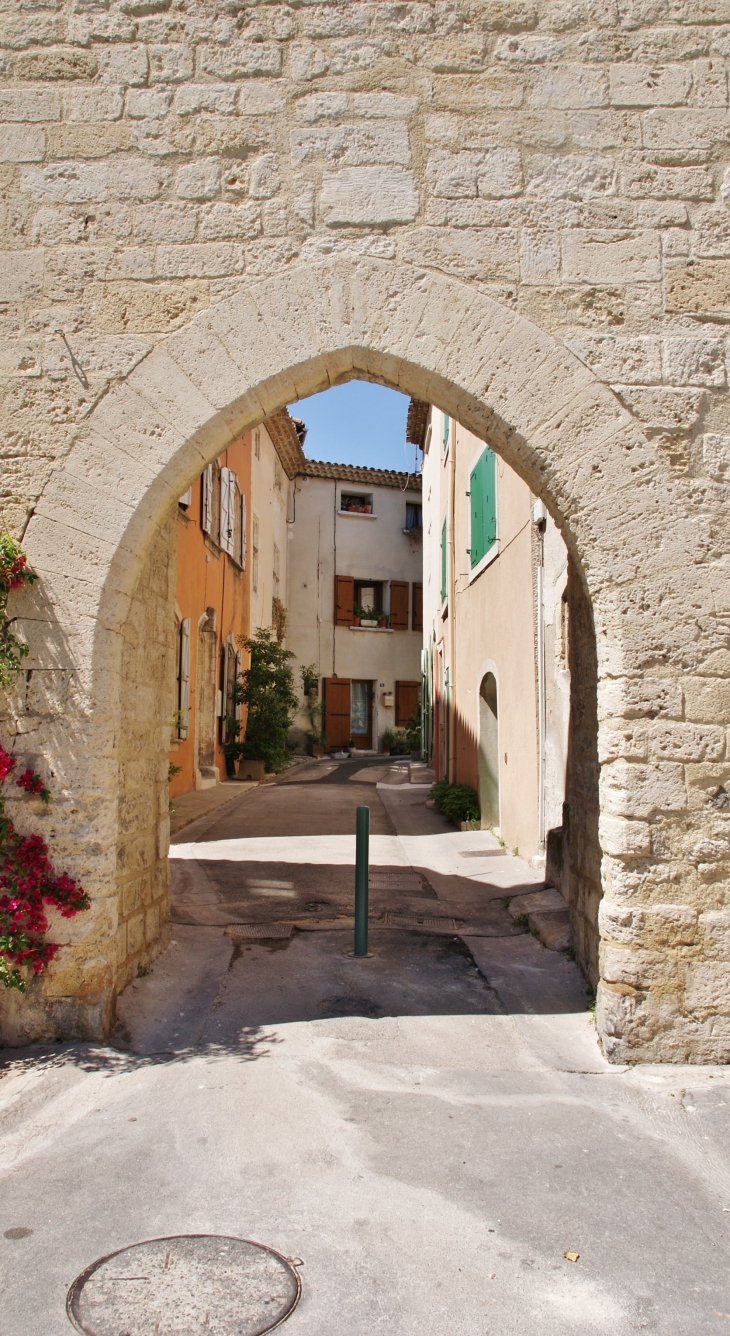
x=186, y=498
x=184, y=715
x=243, y=531
x=226, y=536
x=207, y=510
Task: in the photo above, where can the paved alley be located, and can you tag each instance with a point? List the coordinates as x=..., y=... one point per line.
x=429, y=1130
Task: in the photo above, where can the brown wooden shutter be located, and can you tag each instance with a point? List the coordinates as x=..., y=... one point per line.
x=399, y=605
x=406, y=701
x=344, y=600
x=337, y=711
x=417, y=607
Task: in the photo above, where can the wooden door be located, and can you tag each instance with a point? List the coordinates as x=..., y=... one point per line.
x=361, y=714
x=406, y=701
x=337, y=711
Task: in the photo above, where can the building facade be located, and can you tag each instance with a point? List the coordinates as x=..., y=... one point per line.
x=495, y=657
x=355, y=598
x=231, y=575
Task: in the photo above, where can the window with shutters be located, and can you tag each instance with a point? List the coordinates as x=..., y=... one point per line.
x=344, y=600
x=447, y=434
x=228, y=494
x=399, y=605
x=183, y=679
x=242, y=551
x=414, y=516
x=483, y=507
x=186, y=498
x=206, y=500
x=368, y=598
x=443, y=562
x=417, y=606
x=255, y=554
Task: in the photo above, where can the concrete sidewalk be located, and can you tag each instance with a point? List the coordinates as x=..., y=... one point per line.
x=430, y=1129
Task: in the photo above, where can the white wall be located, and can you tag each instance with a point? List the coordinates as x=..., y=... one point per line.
x=325, y=542
x=269, y=492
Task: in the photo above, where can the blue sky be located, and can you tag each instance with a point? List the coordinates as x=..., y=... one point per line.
x=357, y=423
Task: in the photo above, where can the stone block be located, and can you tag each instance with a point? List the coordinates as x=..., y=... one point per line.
x=539, y=256
x=701, y=286
x=688, y=361
x=193, y=98
x=59, y=64
x=707, y=987
x=688, y=742
x=573, y=176
x=366, y=196
x=635, y=968
x=642, y=180
x=148, y=308
x=171, y=63
x=165, y=222
x=88, y=141
x=22, y=143
x=635, y=85
x=93, y=104
x=30, y=104
x=624, y=839
x=664, y=409
x=143, y=102
x=454, y=55
x=383, y=106
x=606, y=256
x=240, y=59
x=639, y=791
x=716, y=455
x=238, y=222
x=707, y=699
x=352, y=145
x=568, y=86
x=199, y=180
x=264, y=178
x=617, y=358
x=528, y=49
x=127, y=65
x=691, y=128
x=21, y=274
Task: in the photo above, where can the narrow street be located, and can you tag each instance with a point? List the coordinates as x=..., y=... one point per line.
x=430, y=1130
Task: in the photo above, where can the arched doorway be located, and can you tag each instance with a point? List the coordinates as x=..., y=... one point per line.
x=98, y=538
x=489, y=753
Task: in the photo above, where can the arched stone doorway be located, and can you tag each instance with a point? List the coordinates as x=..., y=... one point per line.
x=99, y=538
x=489, y=752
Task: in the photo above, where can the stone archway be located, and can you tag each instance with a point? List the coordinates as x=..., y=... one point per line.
x=99, y=539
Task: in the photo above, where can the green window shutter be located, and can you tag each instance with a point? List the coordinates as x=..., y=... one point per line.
x=446, y=432
x=443, y=562
x=483, y=495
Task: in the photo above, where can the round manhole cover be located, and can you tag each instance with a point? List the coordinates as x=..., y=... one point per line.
x=189, y=1285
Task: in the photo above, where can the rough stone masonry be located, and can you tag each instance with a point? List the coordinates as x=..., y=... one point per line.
x=516, y=210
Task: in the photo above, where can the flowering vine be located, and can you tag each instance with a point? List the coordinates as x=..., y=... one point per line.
x=27, y=879
x=14, y=572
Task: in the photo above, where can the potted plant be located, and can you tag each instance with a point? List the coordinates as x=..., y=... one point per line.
x=387, y=740
x=368, y=617
x=383, y=618
x=268, y=691
x=356, y=614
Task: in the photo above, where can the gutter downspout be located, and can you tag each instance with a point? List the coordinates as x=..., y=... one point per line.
x=539, y=516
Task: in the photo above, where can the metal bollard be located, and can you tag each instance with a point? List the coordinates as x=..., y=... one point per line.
x=362, y=859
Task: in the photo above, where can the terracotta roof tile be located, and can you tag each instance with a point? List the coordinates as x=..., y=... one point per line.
x=316, y=468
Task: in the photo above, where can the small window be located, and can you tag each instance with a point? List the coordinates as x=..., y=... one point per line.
x=414, y=516
x=368, y=598
x=356, y=505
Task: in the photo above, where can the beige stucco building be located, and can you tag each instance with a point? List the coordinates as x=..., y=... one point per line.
x=495, y=634
x=355, y=548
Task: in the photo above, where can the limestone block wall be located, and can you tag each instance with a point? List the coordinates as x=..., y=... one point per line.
x=516, y=211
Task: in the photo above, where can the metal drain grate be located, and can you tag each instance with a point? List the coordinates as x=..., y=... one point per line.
x=394, y=881
x=420, y=921
x=189, y=1285
x=256, y=932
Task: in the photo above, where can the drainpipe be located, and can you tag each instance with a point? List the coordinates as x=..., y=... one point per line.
x=539, y=517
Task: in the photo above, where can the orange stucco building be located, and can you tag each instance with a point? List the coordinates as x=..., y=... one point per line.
x=212, y=609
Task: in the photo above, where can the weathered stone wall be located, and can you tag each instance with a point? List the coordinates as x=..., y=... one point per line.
x=516, y=211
